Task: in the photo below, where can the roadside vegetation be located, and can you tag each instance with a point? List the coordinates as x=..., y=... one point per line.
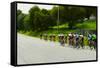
x=43, y=21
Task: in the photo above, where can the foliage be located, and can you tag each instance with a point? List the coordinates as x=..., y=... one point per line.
x=59, y=17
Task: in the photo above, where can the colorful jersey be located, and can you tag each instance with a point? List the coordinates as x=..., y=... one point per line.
x=89, y=37
x=94, y=37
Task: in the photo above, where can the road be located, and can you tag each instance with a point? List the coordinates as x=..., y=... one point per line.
x=32, y=50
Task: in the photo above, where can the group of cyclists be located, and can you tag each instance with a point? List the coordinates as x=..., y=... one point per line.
x=75, y=40
x=78, y=40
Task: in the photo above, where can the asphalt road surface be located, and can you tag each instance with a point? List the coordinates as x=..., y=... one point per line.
x=32, y=50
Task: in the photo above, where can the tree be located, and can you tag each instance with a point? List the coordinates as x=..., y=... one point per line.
x=73, y=15
x=19, y=12
x=54, y=12
x=32, y=17
x=20, y=20
x=62, y=15
x=90, y=11
x=48, y=18
x=45, y=11
x=26, y=23
x=43, y=21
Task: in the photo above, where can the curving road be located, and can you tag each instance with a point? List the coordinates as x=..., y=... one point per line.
x=32, y=50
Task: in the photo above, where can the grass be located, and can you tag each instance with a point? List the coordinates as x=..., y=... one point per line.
x=90, y=25
x=87, y=25
x=61, y=26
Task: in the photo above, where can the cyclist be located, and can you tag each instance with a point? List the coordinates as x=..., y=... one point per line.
x=94, y=40
x=77, y=40
x=90, y=40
